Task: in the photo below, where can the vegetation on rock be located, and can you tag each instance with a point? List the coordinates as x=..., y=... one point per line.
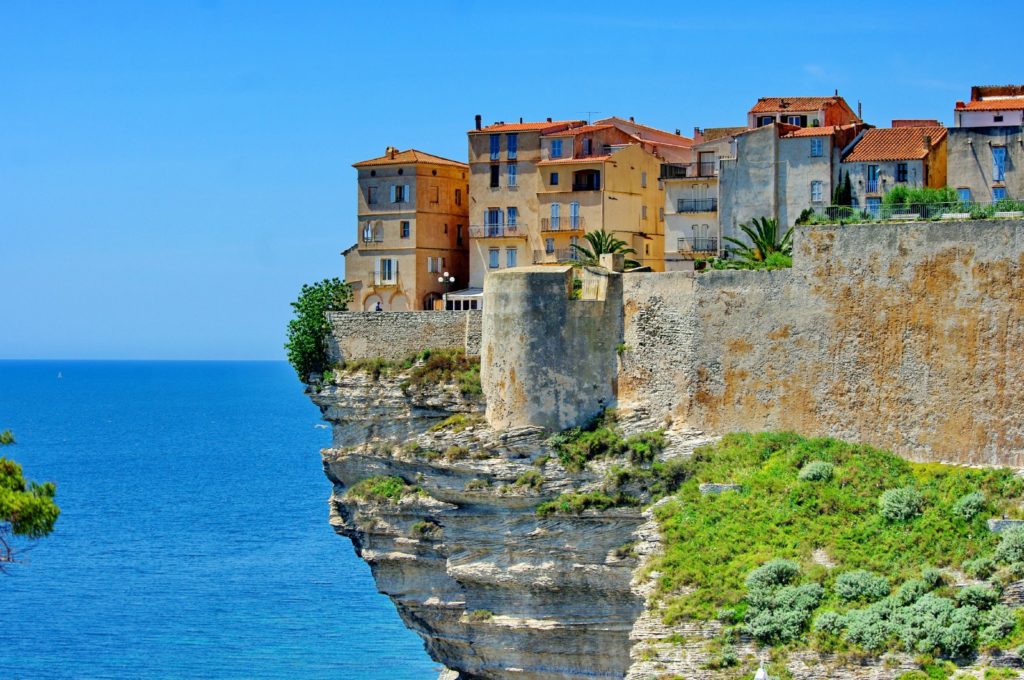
x=309, y=330
x=27, y=509
x=429, y=367
x=601, y=438
x=600, y=243
x=382, y=488
x=752, y=553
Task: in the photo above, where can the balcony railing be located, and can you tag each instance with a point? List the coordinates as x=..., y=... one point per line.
x=689, y=170
x=570, y=223
x=496, y=230
x=871, y=186
x=704, y=244
x=695, y=205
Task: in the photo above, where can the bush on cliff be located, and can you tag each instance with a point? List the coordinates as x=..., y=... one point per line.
x=601, y=438
x=714, y=541
x=309, y=330
x=382, y=488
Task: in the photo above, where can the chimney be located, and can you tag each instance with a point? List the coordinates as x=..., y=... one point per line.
x=679, y=133
x=631, y=119
x=390, y=152
x=520, y=120
x=478, y=119
x=549, y=119
x=859, y=110
x=836, y=93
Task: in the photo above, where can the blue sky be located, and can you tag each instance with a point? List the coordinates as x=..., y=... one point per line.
x=171, y=173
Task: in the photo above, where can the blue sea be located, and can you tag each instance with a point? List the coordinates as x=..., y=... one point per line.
x=193, y=539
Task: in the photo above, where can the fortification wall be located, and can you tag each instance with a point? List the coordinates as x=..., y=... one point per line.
x=396, y=335
x=906, y=336
x=547, y=359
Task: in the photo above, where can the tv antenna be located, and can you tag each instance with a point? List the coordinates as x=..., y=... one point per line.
x=590, y=116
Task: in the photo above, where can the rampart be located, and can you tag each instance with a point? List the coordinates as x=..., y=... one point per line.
x=396, y=335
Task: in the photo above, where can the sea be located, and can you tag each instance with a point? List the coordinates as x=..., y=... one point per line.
x=193, y=539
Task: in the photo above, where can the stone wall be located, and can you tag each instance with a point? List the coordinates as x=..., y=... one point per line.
x=396, y=335
x=905, y=336
x=547, y=359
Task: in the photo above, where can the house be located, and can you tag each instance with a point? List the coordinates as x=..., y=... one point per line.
x=536, y=187
x=911, y=153
x=691, y=199
x=786, y=161
x=412, y=228
x=985, y=149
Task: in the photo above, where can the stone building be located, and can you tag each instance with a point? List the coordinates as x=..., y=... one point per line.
x=691, y=199
x=985, y=158
x=413, y=223
x=911, y=153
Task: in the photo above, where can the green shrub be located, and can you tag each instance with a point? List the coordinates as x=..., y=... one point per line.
x=308, y=331
x=381, y=488
x=979, y=597
x=982, y=567
x=932, y=577
x=996, y=623
x=530, y=479
x=830, y=622
x=477, y=485
x=1011, y=546
x=426, y=529
x=457, y=422
x=454, y=453
x=644, y=448
x=935, y=623
x=777, y=615
x=375, y=367
x=772, y=574
x=480, y=615
x=576, y=503
x=869, y=627
x=436, y=366
x=861, y=586
x=816, y=471
x=911, y=591
x=899, y=505
x=970, y=505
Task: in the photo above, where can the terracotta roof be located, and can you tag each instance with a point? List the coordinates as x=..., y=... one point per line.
x=1003, y=104
x=565, y=161
x=915, y=122
x=894, y=144
x=580, y=130
x=406, y=157
x=711, y=134
x=772, y=104
x=658, y=136
x=543, y=126
x=821, y=131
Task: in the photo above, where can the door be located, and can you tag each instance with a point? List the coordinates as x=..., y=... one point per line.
x=574, y=215
x=872, y=183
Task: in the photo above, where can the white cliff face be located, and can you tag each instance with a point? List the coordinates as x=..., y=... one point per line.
x=497, y=591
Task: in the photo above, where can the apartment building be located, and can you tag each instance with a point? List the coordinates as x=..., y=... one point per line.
x=786, y=161
x=691, y=199
x=985, y=149
x=413, y=219
x=911, y=153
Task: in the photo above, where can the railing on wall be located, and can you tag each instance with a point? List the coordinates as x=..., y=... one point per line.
x=692, y=205
x=705, y=244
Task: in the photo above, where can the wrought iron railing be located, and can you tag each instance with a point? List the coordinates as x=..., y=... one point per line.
x=691, y=205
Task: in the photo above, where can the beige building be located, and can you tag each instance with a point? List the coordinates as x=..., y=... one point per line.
x=537, y=187
x=413, y=221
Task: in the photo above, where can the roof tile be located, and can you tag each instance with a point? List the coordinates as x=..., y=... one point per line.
x=895, y=144
x=407, y=157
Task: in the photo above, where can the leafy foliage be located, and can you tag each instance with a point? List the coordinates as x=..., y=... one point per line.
x=600, y=438
x=27, y=508
x=765, y=240
x=777, y=611
x=576, y=503
x=816, y=471
x=308, y=331
x=899, y=505
x=382, y=488
x=598, y=243
x=860, y=585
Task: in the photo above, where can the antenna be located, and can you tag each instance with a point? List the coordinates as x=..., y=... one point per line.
x=590, y=116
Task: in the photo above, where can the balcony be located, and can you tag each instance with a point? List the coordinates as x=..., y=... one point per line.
x=689, y=170
x=706, y=244
x=497, y=230
x=697, y=205
x=570, y=223
x=871, y=186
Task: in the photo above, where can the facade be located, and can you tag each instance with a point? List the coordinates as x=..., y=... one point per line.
x=786, y=161
x=691, y=199
x=985, y=159
x=910, y=154
x=413, y=221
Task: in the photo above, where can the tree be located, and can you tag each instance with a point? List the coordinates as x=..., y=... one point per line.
x=601, y=243
x=27, y=509
x=765, y=241
x=308, y=331
x=843, y=192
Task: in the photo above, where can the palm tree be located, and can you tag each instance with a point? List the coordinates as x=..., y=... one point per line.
x=601, y=243
x=763, y=233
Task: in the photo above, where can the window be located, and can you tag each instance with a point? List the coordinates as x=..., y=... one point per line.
x=998, y=118
x=766, y=120
x=643, y=179
x=378, y=232
x=549, y=245
x=555, y=218
x=556, y=148
x=574, y=215
x=458, y=197
x=573, y=253
x=513, y=215
x=512, y=142
x=399, y=193
x=643, y=212
x=513, y=172
x=386, y=271
x=367, y=233
x=431, y=265
x=793, y=120
x=495, y=169
x=901, y=172
x=371, y=195
x=495, y=147
x=588, y=146
x=553, y=179
x=964, y=194
x=404, y=224
x=816, y=146
x=661, y=214
x=492, y=258
x=458, y=234
x=511, y=256
x=816, y=191
x=998, y=163
x=435, y=195
x=494, y=217
x=998, y=193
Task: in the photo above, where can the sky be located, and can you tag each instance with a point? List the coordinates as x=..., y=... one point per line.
x=171, y=173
